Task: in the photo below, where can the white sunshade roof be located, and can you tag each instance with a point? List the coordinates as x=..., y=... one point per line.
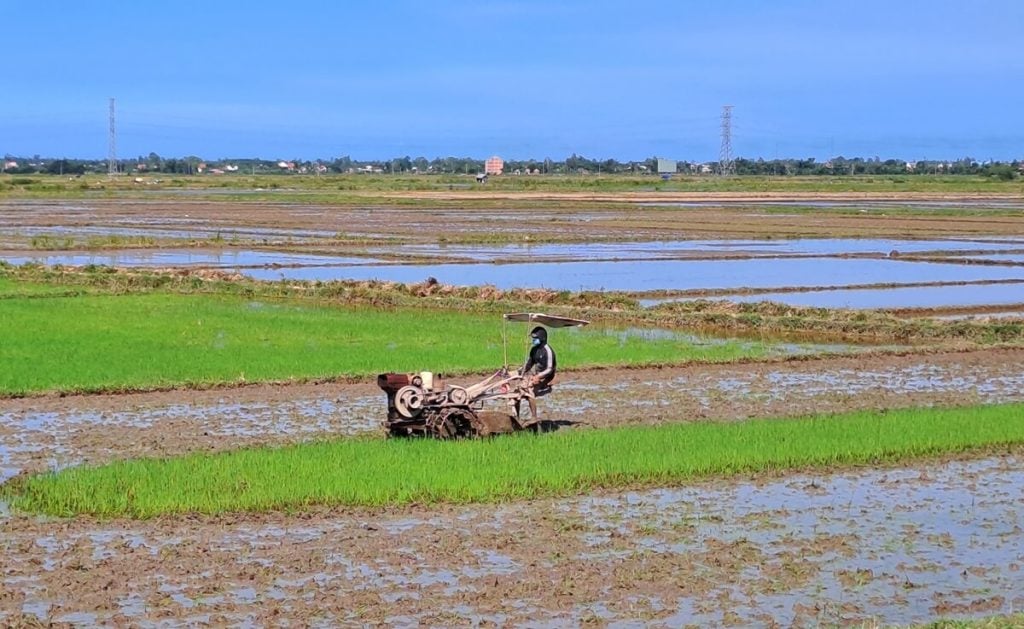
x=552, y=321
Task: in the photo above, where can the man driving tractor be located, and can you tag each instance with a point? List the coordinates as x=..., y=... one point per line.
x=420, y=404
x=542, y=362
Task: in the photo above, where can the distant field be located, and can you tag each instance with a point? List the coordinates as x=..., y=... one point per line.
x=376, y=472
x=122, y=342
x=343, y=188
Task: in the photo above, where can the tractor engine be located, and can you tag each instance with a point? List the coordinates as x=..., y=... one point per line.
x=420, y=404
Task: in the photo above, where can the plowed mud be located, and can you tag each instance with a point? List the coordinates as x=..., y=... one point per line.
x=516, y=217
x=889, y=546
x=53, y=432
x=896, y=545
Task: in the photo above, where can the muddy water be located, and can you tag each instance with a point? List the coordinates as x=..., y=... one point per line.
x=165, y=228
x=905, y=297
x=59, y=438
x=897, y=546
x=668, y=249
x=965, y=203
x=165, y=258
x=731, y=394
x=575, y=252
x=661, y=274
x=51, y=433
x=889, y=546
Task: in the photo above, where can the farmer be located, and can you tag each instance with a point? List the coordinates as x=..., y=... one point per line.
x=541, y=362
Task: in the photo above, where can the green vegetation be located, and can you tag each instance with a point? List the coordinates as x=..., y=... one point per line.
x=755, y=320
x=1012, y=621
x=52, y=243
x=47, y=242
x=356, y=188
x=110, y=342
x=374, y=472
x=118, y=242
x=776, y=318
x=853, y=209
x=12, y=288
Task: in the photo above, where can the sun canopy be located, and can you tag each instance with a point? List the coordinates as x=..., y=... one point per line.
x=552, y=321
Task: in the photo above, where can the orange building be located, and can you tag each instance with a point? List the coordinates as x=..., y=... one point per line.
x=494, y=165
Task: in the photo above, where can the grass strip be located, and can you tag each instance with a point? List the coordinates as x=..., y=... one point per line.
x=132, y=342
x=378, y=472
x=709, y=316
x=10, y=288
x=354, y=189
x=1009, y=621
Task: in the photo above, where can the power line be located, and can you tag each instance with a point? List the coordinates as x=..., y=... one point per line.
x=725, y=165
x=112, y=149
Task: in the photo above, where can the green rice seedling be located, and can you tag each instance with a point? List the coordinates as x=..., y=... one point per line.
x=119, y=242
x=145, y=341
x=51, y=243
x=378, y=472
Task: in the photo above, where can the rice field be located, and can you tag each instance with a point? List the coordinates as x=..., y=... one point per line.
x=131, y=342
x=376, y=472
x=767, y=488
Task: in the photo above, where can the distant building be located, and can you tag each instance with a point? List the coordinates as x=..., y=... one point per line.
x=494, y=166
x=666, y=166
x=10, y=164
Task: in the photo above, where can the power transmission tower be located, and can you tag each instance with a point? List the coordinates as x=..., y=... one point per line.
x=725, y=165
x=112, y=151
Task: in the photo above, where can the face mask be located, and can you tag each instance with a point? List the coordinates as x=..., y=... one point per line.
x=536, y=342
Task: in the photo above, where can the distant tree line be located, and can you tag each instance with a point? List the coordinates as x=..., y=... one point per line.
x=574, y=164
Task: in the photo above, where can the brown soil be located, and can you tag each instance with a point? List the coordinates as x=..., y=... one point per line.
x=717, y=552
x=890, y=544
x=893, y=546
x=592, y=219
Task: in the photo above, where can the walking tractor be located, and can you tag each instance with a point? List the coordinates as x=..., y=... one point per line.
x=422, y=404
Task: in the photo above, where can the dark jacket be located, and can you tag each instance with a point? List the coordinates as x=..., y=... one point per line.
x=541, y=357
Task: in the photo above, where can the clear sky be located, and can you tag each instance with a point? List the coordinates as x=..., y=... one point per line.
x=913, y=79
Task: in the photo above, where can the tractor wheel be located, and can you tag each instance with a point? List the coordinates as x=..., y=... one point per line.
x=452, y=423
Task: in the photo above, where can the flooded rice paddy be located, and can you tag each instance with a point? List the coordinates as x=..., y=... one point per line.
x=553, y=252
x=713, y=265
x=226, y=259
x=897, y=297
x=898, y=240
x=858, y=204
x=895, y=545
x=670, y=249
x=888, y=546
x=658, y=275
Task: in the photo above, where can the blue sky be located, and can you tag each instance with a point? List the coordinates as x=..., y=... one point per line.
x=909, y=79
